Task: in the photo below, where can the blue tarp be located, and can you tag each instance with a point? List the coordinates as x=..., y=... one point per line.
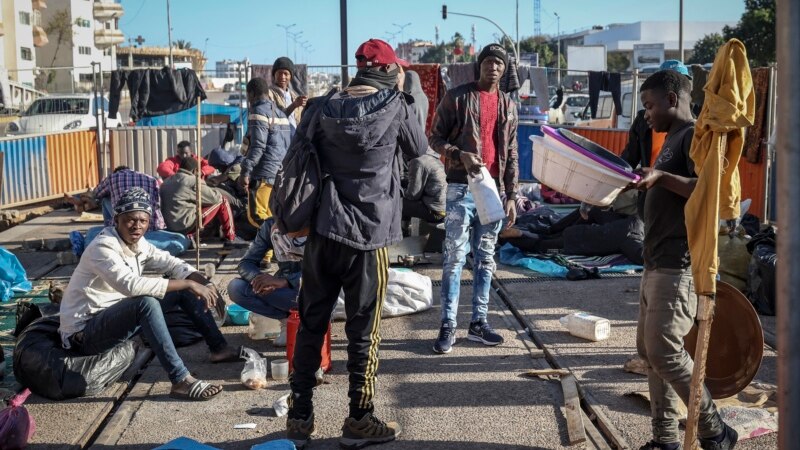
x=189, y=116
x=525, y=149
x=12, y=276
x=512, y=256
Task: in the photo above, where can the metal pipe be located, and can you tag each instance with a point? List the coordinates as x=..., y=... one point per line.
x=680, y=31
x=102, y=114
x=513, y=44
x=343, y=32
x=199, y=186
x=100, y=162
x=788, y=267
x=169, y=36
x=769, y=152
x=635, y=95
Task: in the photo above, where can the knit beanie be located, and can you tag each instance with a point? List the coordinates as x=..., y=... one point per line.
x=134, y=199
x=493, y=50
x=283, y=63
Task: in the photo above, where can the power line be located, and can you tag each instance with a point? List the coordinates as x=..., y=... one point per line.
x=128, y=22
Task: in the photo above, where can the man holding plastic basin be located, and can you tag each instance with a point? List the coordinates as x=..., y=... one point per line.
x=475, y=127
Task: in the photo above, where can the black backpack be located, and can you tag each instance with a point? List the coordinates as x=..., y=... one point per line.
x=298, y=184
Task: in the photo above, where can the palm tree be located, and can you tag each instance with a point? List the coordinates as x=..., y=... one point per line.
x=183, y=44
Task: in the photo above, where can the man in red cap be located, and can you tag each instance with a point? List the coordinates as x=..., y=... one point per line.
x=359, y=137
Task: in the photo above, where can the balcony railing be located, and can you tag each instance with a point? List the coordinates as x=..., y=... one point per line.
x=105, y=11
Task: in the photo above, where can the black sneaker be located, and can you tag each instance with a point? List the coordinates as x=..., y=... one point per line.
x=482, y=332
x=653, y=445
x=299, y=431
x=727, y=442
x=367, y=431
x=447, y=337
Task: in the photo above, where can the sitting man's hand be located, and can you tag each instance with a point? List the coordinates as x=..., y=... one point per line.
x=207, y=294
x=511, y=213
x=266, y=283
x=471, y=161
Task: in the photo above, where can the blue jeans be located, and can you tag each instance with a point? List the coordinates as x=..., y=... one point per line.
x=275, y=305
x=125, y=319
x=463, y=230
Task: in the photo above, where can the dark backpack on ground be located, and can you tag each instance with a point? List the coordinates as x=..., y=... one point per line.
x=298, y=184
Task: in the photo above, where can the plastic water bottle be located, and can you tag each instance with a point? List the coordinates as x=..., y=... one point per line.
x=587, y=326
x=487, y=200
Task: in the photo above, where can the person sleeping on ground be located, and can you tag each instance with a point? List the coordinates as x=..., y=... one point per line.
x=588, y=231
x=109, y=301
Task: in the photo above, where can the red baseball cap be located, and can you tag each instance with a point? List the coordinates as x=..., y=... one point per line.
x=376, y=52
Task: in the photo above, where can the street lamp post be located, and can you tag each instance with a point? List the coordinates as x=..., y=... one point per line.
x=402, y=36
x=286, y=29
x=295, y=36
x=169, y=36
x=558, y=58
x=445, y=12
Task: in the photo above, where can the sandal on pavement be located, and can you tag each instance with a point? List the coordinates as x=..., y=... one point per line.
x=196, y=392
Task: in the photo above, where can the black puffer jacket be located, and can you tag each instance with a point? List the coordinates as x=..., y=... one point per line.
x=361, y=133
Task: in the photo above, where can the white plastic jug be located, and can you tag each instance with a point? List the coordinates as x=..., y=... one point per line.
x=487, y=200
x=587, y=326
x=261, y=327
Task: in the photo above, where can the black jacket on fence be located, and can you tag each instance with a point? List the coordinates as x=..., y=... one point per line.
x=155, y=92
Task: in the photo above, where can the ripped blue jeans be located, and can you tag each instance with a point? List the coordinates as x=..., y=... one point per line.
x=463, y=230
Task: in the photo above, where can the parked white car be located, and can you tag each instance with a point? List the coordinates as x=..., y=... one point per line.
x=236, y=100
x=55, y=113
x=571, y=105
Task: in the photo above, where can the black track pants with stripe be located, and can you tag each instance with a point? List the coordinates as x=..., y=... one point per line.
x=329, y=267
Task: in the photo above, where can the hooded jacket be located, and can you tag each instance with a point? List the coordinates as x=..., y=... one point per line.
x=413, y=87
x=270, y=133
x=457, y=126
x=359, y=138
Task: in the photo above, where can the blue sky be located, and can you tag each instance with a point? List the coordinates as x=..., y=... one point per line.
x=239, y=28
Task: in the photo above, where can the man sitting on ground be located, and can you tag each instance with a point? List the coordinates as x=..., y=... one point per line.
x=426, y=192
x=268, y=295
x=108, y=301
x=110, y=190
x=170, y=166
x=180, y=203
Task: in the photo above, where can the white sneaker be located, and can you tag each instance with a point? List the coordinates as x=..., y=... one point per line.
x=280, y=341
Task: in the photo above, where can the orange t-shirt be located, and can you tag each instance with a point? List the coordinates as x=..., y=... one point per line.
x=655, y=149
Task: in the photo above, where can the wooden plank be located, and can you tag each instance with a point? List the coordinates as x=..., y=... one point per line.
x=595, y=439
x=2, y=161
x=547, y=373
x=572, y=409
x=227, y=271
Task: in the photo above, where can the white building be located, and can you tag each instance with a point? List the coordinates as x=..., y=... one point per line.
x=95, y=34
x=229, y=68
x=20, y=33
x=623, y=37
x=412, y=51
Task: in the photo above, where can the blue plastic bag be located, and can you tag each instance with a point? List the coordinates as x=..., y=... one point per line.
x=184, y=443
x=280, y=444
x=12, y=276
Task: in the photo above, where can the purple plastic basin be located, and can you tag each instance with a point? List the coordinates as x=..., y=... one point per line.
x=605, y=162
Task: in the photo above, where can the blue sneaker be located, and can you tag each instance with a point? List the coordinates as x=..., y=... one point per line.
x=482, y=332
x=447, y=337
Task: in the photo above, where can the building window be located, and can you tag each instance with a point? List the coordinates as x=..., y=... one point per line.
x=24, y=18
x=83, y=22
x=26, y=54
x=85, y=77
x=85, y=50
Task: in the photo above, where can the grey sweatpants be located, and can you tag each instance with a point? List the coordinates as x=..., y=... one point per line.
x=667, y=311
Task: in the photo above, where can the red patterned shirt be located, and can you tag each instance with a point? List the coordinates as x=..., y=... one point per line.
x=488, y=104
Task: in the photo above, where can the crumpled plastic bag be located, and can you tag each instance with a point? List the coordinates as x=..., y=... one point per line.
x=16, y=425
x=254, y=373
x=12, y=276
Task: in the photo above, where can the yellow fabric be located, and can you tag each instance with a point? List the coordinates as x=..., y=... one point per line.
x=261, y=211
x=716, y=148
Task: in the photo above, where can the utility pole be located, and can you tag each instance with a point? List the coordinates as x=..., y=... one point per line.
x=343, y=32
x=295, y=36
x=558, y=58
x=680, y=31
x=169, y=36
x=402, y=38
x=286, y=29
x=517, y=16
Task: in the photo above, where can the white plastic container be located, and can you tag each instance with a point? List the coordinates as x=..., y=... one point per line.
x=587, y=326
x=571, y=173
x=487, y=200
x=261, y=327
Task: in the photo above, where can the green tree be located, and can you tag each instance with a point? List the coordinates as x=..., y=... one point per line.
x=618, y=62
x=756, y=30
x=59, y=27
x=183, y=44
x=706, y=49
x=435, y=54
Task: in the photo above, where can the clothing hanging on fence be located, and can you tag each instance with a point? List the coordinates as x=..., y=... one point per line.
x=154, y=92
x=430, y=78
x=539, y=85
x=756, y=136
x=299, y=80
x=510, y=80
x=461, y=73
x=699, y=78
x=608, y=82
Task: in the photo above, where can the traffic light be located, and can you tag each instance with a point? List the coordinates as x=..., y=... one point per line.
x=444, y=11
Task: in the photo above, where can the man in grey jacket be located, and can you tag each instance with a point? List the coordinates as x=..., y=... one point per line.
x=360, y=137
x=426, y=192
